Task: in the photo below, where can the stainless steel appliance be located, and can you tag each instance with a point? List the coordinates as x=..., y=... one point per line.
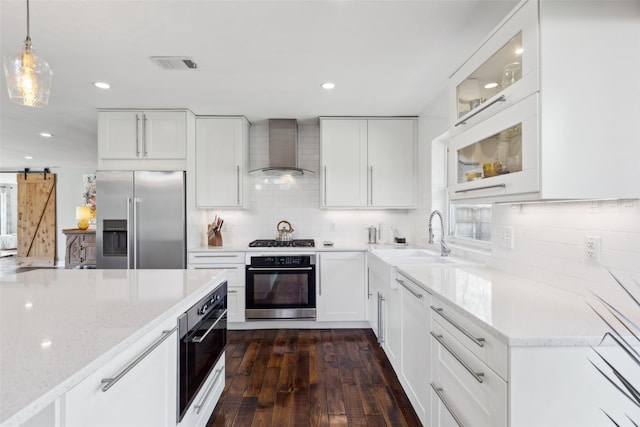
x=202, y=335
x=141, y=219
x=281, y=286
x=295, y=243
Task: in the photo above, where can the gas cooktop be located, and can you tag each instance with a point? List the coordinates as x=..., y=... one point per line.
x=296, y=243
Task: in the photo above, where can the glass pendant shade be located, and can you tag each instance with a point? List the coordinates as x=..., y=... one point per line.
x=28, y=77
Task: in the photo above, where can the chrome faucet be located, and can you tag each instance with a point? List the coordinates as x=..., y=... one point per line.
x=444, y=249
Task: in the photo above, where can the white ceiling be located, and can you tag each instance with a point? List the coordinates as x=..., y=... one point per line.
x=259, y=58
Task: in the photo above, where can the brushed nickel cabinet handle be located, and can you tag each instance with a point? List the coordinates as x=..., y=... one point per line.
x=480, y=110
x=478, y=341
x=440, y=392
x=477, y=375
x=109, y=382
x=404, y=285
x=200, y=405
x=482, y=188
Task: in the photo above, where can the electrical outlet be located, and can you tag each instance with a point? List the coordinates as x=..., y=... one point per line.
x=506, y=237
x=592, y=248
x=332, y=226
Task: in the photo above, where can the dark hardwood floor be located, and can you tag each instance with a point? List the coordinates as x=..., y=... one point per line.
x=299, y=377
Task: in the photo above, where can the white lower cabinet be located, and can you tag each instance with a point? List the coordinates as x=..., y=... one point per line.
x=391, y=320
x=374, y=286
x=202, y=407
x=415, y=355
x=468, y=389
x=341, y=289
x=234, y=263
x=136, y=388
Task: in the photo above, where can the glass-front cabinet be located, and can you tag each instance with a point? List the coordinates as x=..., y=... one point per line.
x=498, y=156
x=500, y=73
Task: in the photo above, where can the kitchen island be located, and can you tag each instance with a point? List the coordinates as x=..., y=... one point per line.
x=57, y=327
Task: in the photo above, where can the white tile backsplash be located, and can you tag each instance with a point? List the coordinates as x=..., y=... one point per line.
x=549, y=244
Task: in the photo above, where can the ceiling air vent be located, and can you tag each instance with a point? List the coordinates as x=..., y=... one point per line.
x=175, y=62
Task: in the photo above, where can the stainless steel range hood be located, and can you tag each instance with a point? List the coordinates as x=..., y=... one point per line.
x=283, y=149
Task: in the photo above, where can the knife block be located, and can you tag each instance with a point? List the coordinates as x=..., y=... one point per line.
x=216, y=240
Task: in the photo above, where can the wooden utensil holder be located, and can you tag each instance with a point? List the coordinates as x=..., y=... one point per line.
x=216, y=240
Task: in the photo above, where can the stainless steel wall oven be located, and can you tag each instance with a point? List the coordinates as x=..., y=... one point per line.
x=202, y=334
x=281, y=287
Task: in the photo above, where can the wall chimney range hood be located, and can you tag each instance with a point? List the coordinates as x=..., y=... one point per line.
x=283, y=149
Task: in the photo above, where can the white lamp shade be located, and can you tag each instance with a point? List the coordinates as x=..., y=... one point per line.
x=83, y=212
x=28, y=78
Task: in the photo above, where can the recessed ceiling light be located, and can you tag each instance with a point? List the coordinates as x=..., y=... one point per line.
x=491, y=85
x=519, y=51
x=102, y=85
x=328, y=85
x=46, y=134
x=45, y=343
x=28, y=157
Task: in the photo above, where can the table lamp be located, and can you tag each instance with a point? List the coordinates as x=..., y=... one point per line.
x=83, y=215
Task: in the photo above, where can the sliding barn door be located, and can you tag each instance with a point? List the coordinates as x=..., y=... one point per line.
x=36, y=220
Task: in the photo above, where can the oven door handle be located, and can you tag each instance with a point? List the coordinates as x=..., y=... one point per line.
x=279, y=269
x=202, y=337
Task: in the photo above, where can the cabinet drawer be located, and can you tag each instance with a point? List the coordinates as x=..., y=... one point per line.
x=236, y=303
x=477, y=340
x=204, y=403
x=216, y=258
x=473, y=393
x=235, y=272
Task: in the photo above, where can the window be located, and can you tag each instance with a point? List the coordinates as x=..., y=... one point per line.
x=470, y=223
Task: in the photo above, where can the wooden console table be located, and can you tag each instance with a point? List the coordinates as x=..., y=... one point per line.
x=81, y=248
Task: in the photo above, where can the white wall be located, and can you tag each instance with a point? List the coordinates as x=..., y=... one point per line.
x=68, y=197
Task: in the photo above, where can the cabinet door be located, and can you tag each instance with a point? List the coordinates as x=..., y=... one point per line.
x=119, y=134
x=220, y=153
x=236, y=304
x=165, y=135
x=392, y=310
x=344, y=162
x=373, y=287
x=144, y=396
x=503, y=151
x=415, y=365
x=341, y=286
x=391, y=161
x=500, y=73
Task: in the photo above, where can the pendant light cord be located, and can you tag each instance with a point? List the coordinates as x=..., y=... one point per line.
x=28, y=33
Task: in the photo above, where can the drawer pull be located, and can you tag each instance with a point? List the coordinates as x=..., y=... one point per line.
x=414, y=293
x=440, y=392
x=480, y=110
x=232, y=291
x=477, y=375
x=478, y=341
x=200, y=405
x=486, y=187
x=109, y=382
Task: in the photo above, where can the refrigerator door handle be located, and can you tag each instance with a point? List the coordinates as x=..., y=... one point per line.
x=129, y=232
x=136, y=232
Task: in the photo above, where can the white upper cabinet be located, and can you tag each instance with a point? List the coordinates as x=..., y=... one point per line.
x=501, y=72
x=222, y=145
x=565, y=125
x=344, y=163
x=137, y=135
x=368, y=162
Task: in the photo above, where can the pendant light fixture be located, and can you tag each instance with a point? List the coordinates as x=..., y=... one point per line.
x=28, y=76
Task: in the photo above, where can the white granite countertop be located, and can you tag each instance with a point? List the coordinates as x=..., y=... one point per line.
x=519, y=311
x=58, y=326
x=319, y=247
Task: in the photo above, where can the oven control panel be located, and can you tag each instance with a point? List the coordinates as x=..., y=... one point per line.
x=282, y=261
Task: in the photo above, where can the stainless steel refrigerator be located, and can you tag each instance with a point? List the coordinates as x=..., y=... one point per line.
x=141, y=219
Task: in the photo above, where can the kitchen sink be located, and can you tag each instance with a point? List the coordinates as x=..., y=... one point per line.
x=408, y=253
